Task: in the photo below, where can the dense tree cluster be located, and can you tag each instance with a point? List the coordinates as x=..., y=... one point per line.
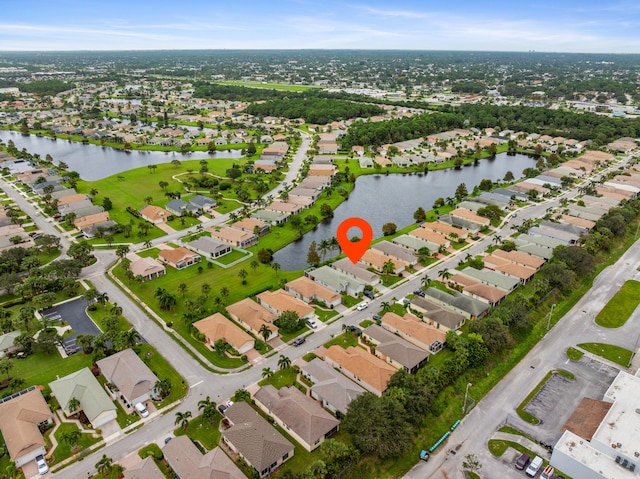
x=580, y=126
x=314, y=110
x=45, y=87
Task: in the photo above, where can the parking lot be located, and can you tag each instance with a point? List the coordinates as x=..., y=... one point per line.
x=74, y=313
x=559, y=397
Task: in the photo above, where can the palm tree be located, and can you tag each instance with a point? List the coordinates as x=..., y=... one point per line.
x=243, y=275
x=205, y=289
x=182, y=287
x=103, y=299
x=116, y=310
x=324, y=247
x=182, y=419
x=131, y=337
x=74, y=405
x=275, y=267
x=444, y=274
x=254, y=265
x=388, y=268
x=5, y=366
x=284, y=362
x=265, y=332
x=163, y=387
x=224, y=292
x=104, y=465
x=72, y=438
x=148, y=200
x=208, y=408
x=267, y=373
x=497, y=239
x=386, y=305
x=425, y=281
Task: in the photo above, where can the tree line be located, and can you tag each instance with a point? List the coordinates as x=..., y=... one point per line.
x=314, y=110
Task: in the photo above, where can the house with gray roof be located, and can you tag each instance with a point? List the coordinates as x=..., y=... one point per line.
x=469, y=307
x=543, y=241
x=73, y=207
x=129, y=374
x=88, y=211
x=437, y=315
x=7, y=343
x=179, y=207
x=335, y=280
x=414, y=243
x=203, y=203
x=332, y=389
x=509, y=195
x=357, y=271
x=255, y=440
x=536, y=250
x=554, y=233
x=396, y=251
x=208, y=247
x=492, y=278
x=272, y=217
x=459, y=222
x=189, y=463
x=395, y=350
x=91, y=231
x=365, y=162
x=83, y=386
x=302, y=417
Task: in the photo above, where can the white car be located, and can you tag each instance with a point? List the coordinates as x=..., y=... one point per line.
x=312, y=323
x=362, y=306
x=42, y=465
x=142, y=410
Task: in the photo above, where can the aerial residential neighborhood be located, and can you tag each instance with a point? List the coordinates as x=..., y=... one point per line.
x=177, y=300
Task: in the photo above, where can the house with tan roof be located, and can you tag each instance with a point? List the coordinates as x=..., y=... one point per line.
x=445, y=229
x=415, y=331
x=90, y=220
x=334, y=391
x=521, y=258
x=148, y=268
x=283, y=207
x=252, y=316
x=398, y=352
x=255, y=440
x=430, y=236
x=470, y=216
x=133, y=378
x=376, y=259
x=476, y=289
x=522, y=273
x=66, y=200
x=280, y=301
x=234, y=237
x=21, y=416
x=309, y=291
x=322, y=170
x=252, y=225
x=395, y=251
x=188, y=462
x=145, y=469
x=154, y=214
x=302, y=417
x=179, y=258
x=217, y=327
x=364, y=368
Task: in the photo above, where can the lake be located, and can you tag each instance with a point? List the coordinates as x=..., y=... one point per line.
x=393, y=198
x=95, y=162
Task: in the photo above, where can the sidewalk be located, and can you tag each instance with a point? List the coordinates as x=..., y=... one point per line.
x=524, y=442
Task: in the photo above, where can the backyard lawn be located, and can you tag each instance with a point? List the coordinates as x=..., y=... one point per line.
x=620, y=307
x=343, y=340
x=281, y=378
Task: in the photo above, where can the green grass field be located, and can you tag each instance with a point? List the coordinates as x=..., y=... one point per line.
x=269, y=86
x=613, y=353
x=63, y=451
x=205, y=433
x=620, y=307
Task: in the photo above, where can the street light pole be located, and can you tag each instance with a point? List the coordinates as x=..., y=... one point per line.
x=466, y=393
x=549, y=319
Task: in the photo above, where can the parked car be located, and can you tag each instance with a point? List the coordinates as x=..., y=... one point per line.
x=369, y=294
x=142, y=410
x=377, y=317
x=167, y=440
x=41, y=462
x=298, y=341
x=523, y=461
x=534, y=467
x=547, y=473
x=419, y=292
x=222, y=408
x=362, y=306
x=311, y=323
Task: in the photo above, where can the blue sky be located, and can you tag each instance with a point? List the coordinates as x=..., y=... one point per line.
x=605, y=26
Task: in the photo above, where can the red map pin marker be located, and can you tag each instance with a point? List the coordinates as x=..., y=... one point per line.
x=354, y=250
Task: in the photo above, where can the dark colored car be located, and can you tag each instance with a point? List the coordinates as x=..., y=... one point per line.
x=377, y=317
x=298, y=341
x=369, y=294
x=523, y=461
x=419, y=292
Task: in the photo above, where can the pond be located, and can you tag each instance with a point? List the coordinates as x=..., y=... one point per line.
x=95, y=162
x=381, y=199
